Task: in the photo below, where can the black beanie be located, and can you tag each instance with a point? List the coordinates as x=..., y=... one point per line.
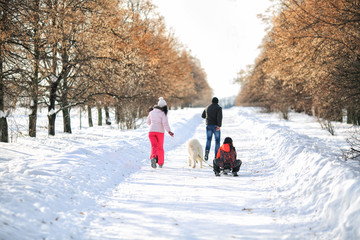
x=215, y=100
x=228, y=140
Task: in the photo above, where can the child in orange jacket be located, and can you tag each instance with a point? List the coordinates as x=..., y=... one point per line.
x=227, y=156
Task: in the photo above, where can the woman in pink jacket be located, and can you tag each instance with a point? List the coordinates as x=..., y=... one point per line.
x=158, y=122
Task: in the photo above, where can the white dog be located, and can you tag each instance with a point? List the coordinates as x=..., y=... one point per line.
x=195, y=152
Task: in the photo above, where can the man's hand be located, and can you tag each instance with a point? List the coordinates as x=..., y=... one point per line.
x=217, y=128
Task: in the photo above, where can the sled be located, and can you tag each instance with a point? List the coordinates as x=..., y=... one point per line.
x=226, y=170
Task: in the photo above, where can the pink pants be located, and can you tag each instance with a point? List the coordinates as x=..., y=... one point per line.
x=157, y=146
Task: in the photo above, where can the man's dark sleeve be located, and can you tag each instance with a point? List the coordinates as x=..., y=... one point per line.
x=219, y=117
x=203, y=115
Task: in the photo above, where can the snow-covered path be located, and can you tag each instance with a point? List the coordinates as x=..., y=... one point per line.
x=97, y=183
x=178, y=202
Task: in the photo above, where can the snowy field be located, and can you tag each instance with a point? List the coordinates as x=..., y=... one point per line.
x=97, y=183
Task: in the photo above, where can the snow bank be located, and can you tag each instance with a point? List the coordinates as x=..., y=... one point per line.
x=311, y=179
x=55, y=187
x=48, y=184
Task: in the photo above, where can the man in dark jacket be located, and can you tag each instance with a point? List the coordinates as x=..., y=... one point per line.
x=213, y=116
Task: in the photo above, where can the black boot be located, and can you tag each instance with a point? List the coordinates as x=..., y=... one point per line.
x=153, y=162
x=206, y=157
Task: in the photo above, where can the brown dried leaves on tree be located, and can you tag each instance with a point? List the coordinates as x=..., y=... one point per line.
x=108, y=52
x=310, y=60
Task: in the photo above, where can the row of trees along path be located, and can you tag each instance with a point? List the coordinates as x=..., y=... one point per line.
x=106, y=53
x=310, y=61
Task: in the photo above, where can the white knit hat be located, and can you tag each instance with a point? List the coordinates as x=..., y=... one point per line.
x=161, y=102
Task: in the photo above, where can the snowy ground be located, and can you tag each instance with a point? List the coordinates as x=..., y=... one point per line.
x=97, y=183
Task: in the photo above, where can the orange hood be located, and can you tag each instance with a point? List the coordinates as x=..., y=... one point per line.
x=225, y=147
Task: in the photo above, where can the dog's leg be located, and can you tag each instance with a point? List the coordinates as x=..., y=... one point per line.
x=193, y=161
x=200, y=161
x=189, y=161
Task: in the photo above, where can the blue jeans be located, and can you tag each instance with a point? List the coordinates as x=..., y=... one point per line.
x=210, y=130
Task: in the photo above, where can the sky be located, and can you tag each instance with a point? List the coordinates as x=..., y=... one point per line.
x=223, y=34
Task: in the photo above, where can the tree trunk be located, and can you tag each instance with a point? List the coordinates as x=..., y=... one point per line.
x=51, y=108
x=64, y=105
x=90, y=116
x=66, y=120
x=353, y=116
x=350, y=115
x=107, y=116
x=33, y=117
x=99, y=116
x=34, y=101
x=4, y=130
x=117, y=114
x=52, y=118
x=34, y=81
x=4, y=135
